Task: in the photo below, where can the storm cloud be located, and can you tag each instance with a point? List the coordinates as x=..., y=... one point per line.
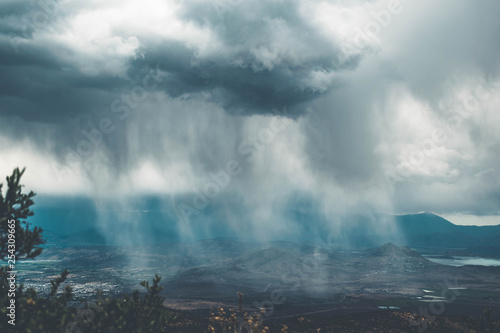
x=351, y=107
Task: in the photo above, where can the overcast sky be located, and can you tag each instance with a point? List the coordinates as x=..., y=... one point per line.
x=353, y=106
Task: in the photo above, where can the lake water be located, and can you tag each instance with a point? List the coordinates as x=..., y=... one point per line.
x=462, y=261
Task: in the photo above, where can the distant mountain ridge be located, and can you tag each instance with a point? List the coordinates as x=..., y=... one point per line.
x=423, y=230
x=427, y=223
x=430, y=230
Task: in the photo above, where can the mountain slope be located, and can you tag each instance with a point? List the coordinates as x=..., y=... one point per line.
x=429, y=230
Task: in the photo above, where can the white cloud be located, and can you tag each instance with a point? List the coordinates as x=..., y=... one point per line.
x=43, y=174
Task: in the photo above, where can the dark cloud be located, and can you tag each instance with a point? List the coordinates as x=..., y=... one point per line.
x=42, y=82
x=239, y=90
x=268, y=57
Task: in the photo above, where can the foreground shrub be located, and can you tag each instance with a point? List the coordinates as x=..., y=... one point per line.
x=230, y=322
x=129, y=313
